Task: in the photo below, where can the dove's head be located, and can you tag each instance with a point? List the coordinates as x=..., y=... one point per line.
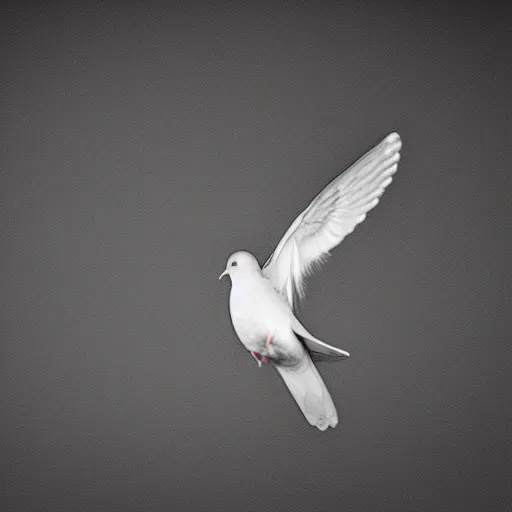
x=240, y=263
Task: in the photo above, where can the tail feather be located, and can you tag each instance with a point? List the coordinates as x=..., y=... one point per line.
x=311, y=394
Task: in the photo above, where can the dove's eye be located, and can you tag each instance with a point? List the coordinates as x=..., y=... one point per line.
x=234, y=264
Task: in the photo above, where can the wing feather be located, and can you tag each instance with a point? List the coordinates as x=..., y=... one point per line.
x=331, y=216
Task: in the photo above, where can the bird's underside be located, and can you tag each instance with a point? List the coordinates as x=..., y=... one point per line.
x=284, y=359
x=273, y=351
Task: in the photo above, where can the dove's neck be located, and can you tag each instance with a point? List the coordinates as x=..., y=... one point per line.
x=247, y=285
x=246, y=279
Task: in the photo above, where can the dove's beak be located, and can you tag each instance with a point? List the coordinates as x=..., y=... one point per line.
x=225, y=273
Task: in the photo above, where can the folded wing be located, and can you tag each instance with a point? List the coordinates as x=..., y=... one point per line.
x=330, y=217
x=318, y=350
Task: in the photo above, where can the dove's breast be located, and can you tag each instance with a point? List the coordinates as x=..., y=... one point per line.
x=256, y=311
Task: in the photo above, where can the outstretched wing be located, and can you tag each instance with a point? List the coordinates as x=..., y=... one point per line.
x=330, y=217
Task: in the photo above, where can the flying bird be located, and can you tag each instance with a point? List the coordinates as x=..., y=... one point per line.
x=262, y=300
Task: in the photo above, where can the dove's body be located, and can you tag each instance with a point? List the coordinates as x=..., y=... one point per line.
x=257, y=311
x=262, y=300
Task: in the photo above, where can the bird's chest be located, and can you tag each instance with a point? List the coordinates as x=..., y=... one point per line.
x=255, y=316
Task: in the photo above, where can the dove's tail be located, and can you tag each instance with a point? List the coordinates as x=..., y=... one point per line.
x=311, y=394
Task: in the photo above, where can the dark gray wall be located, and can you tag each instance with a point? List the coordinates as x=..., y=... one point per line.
x=143, y=144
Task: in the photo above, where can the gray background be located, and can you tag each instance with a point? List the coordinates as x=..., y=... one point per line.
x=143, y=144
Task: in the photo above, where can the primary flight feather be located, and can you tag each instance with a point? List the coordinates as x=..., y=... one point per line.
x=262, y=299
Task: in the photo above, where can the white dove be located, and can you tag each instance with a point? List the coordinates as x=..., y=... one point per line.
x=261, y=300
